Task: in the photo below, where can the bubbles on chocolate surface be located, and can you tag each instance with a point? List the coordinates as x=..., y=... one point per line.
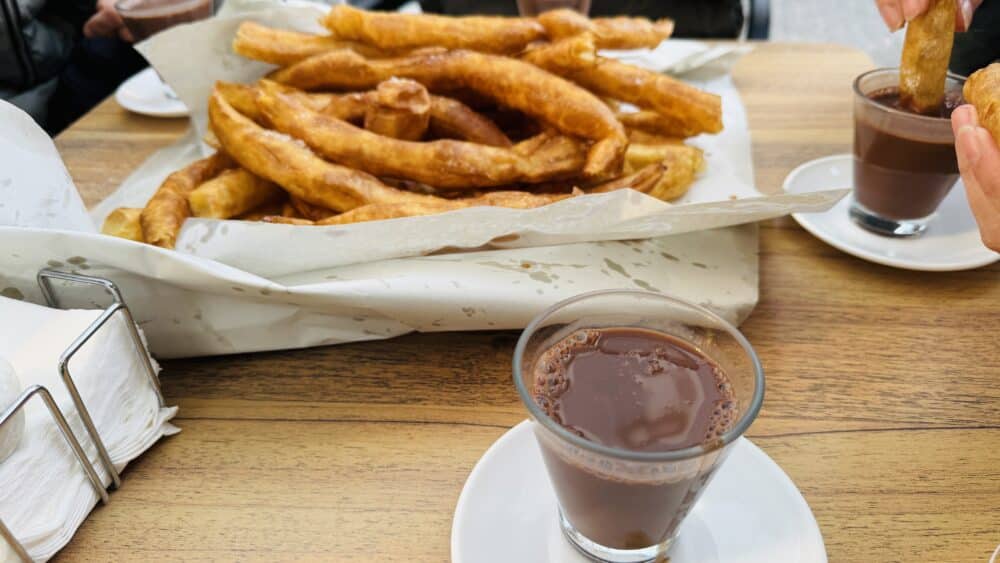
x=633, y=388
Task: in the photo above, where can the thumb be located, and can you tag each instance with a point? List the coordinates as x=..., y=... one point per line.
x=979, y=163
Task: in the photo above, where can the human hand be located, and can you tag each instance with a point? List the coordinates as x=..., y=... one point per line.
x=106, y=22
x=979, y=163
x=897, y=12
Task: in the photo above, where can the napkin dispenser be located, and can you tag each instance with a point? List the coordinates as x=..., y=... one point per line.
x=10, y=414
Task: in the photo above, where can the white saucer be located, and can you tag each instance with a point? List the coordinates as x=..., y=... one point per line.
x=750, y=512
x=951, y=241
x=144, y=93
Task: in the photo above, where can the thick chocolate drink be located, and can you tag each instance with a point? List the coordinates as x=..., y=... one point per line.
x=638, y=390
x=144, y=18
x=898, y=174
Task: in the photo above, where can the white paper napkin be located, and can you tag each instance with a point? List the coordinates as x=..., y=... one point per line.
x=44, y=494
x=678, y=56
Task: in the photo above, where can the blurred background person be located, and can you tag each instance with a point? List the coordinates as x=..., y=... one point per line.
x=36, y=41
x=102, y=59
x=59, y=58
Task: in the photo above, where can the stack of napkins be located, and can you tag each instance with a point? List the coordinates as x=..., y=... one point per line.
x=44, y=494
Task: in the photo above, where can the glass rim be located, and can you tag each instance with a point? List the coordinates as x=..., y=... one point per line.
x=738, y=429
x=915, y=116
x=121, y=5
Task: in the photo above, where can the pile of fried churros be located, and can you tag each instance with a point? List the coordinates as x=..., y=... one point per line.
x=393, y=115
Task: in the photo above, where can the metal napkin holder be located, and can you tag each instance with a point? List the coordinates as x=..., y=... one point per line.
x=118, y=307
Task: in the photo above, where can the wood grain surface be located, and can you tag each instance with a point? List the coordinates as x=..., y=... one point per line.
x=883, y=390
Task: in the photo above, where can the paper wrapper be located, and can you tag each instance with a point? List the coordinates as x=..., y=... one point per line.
x=234, y=286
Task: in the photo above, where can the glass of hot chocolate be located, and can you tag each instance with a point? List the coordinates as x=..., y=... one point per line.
x=904, y=162
x=145, y=18
x=636, y=398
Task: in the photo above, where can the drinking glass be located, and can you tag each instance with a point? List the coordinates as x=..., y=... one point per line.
x=624, y=506
x=904, y=163
x=145, y=18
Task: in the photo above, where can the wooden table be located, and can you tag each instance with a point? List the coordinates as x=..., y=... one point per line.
x=883, y=390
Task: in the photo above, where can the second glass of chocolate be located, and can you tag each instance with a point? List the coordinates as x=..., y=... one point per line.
x=636, y=399
x=904, y=163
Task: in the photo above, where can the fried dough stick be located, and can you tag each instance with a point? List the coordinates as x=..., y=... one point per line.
x=243, y=98
x=259, y=213
x=696, y=110
x=637, y=136
x=640, y=155
x=609, y=33
x=443, y=163
x=642, y=180
x=663, y=172
x=681, y=169
x=408, y=31
x=288, y=163
x=658, y=124
x=399, y=108
x=449, y=118
x=926, y=50
x=282, y=47
x=231, y=193
x=513, y=83
x=166, y=211
x=452, y=119
x=310, y=211
x=124, y=223
x=379, y=211
x=982, y=90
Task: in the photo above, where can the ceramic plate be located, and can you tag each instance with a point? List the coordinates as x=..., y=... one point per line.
x=751, y=512
x=144, y=93
x=951, y=241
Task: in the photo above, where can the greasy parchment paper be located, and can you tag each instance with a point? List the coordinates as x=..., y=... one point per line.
x=234, y=286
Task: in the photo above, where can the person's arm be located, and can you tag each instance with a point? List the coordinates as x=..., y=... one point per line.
x=897, y=12
x=106, y=22
x=979, y=163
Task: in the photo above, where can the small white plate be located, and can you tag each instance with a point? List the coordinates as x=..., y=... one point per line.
x=144, y=93
x=951, y=241
x=750, y=512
